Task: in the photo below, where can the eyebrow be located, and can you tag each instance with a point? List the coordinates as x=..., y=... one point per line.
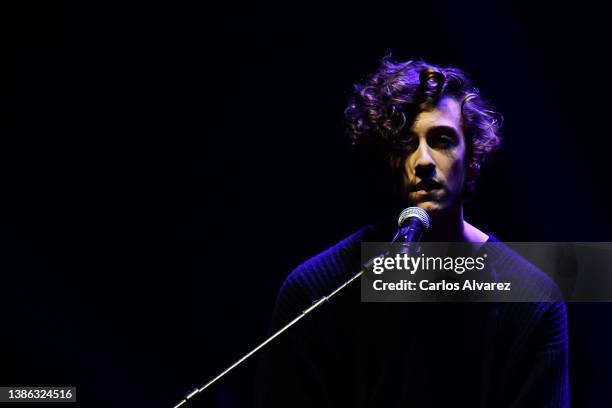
x=437, y=130
x=451, y=131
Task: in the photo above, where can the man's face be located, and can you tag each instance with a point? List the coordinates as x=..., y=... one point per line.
x=433, y=158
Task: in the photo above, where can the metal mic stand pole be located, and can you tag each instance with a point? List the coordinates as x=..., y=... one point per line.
x=278, y=333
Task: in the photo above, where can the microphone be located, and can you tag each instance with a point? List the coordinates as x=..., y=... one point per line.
x=412, y=223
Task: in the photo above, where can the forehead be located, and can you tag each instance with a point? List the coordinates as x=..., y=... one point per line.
x=446, y=113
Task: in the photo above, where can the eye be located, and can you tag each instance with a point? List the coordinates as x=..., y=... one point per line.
x=446, y=139
x=443, y=140
x=406, y=145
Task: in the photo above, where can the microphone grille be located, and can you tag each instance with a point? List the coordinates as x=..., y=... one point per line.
x=417, y=212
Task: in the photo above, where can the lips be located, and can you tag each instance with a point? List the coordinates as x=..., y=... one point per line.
x=426, y=185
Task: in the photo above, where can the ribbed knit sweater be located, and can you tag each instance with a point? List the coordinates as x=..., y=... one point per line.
x=357, y=354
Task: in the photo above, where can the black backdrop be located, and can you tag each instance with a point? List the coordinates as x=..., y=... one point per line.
x=165, y=166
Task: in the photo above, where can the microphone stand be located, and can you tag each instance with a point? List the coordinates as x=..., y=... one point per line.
x=314, y=305
x=413, y=221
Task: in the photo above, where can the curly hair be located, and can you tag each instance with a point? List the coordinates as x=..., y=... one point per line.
x=391, y=98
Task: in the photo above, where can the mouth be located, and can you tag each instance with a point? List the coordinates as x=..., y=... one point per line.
x=425, y=186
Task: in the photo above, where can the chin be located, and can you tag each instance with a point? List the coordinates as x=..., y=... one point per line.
x=433, y=205
x=430, y=206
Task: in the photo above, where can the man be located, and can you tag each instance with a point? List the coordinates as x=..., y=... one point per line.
x=427, y=131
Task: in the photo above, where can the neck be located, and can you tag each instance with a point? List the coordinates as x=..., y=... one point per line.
x=450, y=226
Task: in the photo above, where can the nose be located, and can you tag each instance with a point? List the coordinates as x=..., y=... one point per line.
x=424, y=166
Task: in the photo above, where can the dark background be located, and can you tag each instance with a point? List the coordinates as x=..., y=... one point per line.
x=164, y=167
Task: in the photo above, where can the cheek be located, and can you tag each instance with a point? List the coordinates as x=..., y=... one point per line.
x=401, y=170
x=396, y=163
x=399, y=174
x=457, y=170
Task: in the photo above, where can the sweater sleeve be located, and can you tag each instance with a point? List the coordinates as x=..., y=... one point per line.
x=545, y=380
x=291, y=371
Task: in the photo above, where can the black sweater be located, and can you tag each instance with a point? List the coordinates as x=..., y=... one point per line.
x=357, y=354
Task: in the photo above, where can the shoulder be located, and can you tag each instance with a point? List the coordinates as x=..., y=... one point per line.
x=534, y=320
x=541, y=311
x=322, y=273
x=333, y=264
x=529, y=283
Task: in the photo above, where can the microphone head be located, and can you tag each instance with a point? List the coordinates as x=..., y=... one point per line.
x=415, y=212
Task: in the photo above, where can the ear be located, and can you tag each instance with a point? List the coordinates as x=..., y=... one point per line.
x=471, y=173
x=472, y=170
